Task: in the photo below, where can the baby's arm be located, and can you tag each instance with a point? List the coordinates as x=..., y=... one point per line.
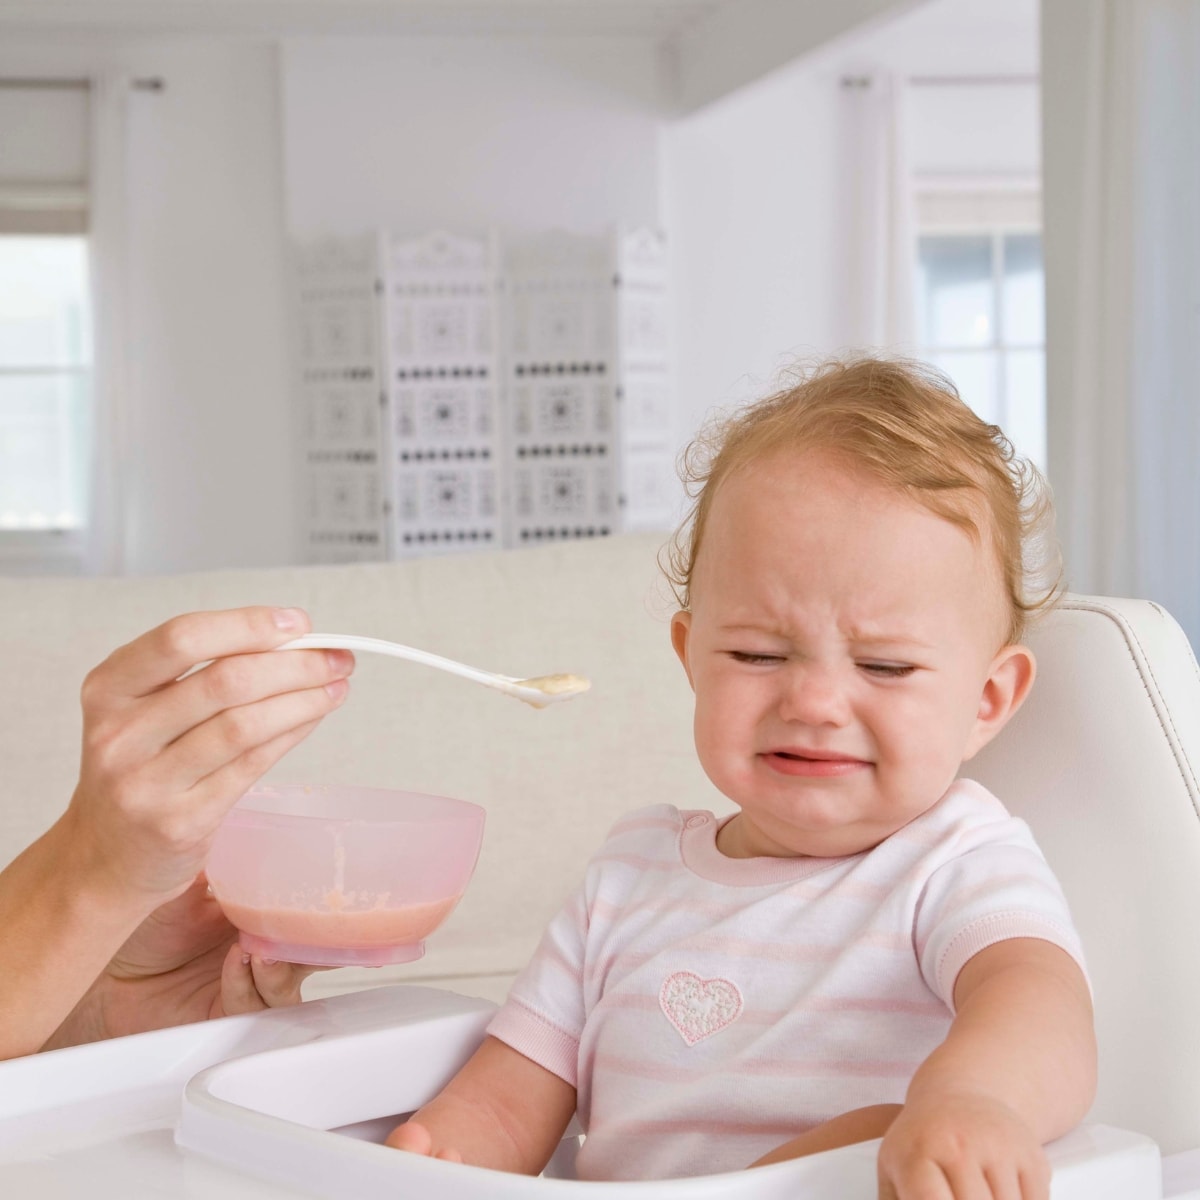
x=502, y=1110
x=859, y=1125
x=1017, y=1069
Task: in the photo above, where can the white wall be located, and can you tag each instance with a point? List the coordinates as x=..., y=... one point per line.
x=757, y=187
x=342, y=134
x=208, y=477
x=516, y=132
x=753, y=224
x=409, y=133
x=214, y=486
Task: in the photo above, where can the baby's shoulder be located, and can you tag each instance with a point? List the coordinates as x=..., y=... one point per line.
x=968, y=816
x=654, y=821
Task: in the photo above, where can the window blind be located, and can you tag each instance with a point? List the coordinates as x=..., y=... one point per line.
x=43, y=156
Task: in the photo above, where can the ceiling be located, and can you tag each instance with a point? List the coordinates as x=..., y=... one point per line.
x=655, y=18
x=711, y=47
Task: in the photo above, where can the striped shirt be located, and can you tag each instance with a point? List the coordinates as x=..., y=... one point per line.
x=708, y=1009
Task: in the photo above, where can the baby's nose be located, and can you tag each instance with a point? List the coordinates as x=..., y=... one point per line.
x=814, y=695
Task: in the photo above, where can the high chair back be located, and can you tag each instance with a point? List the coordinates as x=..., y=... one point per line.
x=1103, y=762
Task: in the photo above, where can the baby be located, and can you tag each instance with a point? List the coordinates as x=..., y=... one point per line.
x=870, y=946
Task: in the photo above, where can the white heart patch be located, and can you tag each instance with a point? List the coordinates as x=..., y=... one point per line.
x=697, y=1007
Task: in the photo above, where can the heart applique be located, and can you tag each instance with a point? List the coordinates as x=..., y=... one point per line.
x=697, y=1007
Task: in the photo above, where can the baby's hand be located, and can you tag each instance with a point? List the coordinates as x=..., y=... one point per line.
x=961, y=1147
x=417, y=1139
x=250, y=983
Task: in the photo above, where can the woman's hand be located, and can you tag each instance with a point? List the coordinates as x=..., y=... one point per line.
x=165, y=758
x=181, y=964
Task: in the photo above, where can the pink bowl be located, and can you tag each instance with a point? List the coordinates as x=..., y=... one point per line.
x=342, y=876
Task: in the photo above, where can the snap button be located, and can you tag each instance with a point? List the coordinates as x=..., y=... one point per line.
x=694, y=822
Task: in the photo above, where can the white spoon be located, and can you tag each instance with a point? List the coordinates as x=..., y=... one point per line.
x=539, y=691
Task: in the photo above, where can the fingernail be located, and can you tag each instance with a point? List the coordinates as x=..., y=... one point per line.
x=289, y=618
x=269, y=962
x=245, y=960
x=337, y=689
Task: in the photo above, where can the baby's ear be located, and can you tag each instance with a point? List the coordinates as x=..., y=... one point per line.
x=1009, y=679
x=681, y=628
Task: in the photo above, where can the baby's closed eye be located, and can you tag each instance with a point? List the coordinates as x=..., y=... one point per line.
x=888, y=670
x=754, y=657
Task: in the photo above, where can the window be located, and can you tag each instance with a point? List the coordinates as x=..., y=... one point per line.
x=45, y=326
x=981, y=318
x=45, y=376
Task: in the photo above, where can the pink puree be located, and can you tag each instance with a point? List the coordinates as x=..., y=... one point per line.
x=344, y=929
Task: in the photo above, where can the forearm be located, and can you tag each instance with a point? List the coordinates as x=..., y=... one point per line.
x=1024, y=1038
x=476, y=1127
x=62, y=921
x=859, y=1125
x=502, y=1111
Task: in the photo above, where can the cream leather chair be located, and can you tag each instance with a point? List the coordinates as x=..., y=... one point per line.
x=1103, y=761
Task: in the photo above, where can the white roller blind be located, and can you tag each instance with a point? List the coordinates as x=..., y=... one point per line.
x=43, y=156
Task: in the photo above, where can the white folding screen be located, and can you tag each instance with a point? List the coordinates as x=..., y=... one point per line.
x=461, y=394
x=439, y=323
x=341, y=386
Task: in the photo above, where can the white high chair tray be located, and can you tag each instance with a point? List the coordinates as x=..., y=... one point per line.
x=289, y=1103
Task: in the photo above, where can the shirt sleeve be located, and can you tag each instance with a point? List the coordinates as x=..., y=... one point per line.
x=544, y=1013
x=998, y=888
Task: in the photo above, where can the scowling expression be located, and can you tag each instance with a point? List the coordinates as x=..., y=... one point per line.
x=846, y=649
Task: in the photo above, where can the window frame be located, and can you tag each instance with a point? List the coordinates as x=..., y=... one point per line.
x=982, y=208
x=54, y=549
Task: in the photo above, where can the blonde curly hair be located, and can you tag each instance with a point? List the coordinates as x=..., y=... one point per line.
x=904, y=423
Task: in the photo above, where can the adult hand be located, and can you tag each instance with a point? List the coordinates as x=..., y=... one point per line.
x=165, y=758
x=181, y=964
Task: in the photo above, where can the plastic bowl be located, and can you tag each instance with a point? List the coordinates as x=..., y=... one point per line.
x=342, y=876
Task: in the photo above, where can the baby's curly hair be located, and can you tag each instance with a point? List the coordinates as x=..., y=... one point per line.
x=904, y=423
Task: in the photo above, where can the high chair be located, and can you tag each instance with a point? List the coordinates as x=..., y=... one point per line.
x=1102, y=762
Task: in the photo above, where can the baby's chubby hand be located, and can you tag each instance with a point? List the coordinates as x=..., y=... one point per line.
x=963, y=1146
x=417, y=1139
x=250, y=983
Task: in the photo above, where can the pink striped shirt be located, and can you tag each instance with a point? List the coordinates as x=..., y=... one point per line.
x=707, y=1009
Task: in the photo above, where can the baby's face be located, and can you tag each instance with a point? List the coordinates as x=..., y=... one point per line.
x=846, y=650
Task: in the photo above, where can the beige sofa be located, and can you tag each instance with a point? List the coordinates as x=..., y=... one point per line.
x=552, y=780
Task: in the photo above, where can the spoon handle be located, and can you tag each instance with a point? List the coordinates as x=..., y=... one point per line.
x=350, y=641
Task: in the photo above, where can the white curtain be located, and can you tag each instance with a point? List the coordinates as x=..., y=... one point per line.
x=1121, y=124
x=877, y=192
x=109, y=236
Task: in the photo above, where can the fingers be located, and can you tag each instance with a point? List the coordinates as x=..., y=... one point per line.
x=924, y=1182
x=411, y=1136
x=416, y=1138
x=250, y=983
x=958, y=1174
x=164, y=759
x=210, y=798
x=120, y=734
x=166, y=652
x=131, y=761
x=278, y=983
x=227, y=709
x=238, y=993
